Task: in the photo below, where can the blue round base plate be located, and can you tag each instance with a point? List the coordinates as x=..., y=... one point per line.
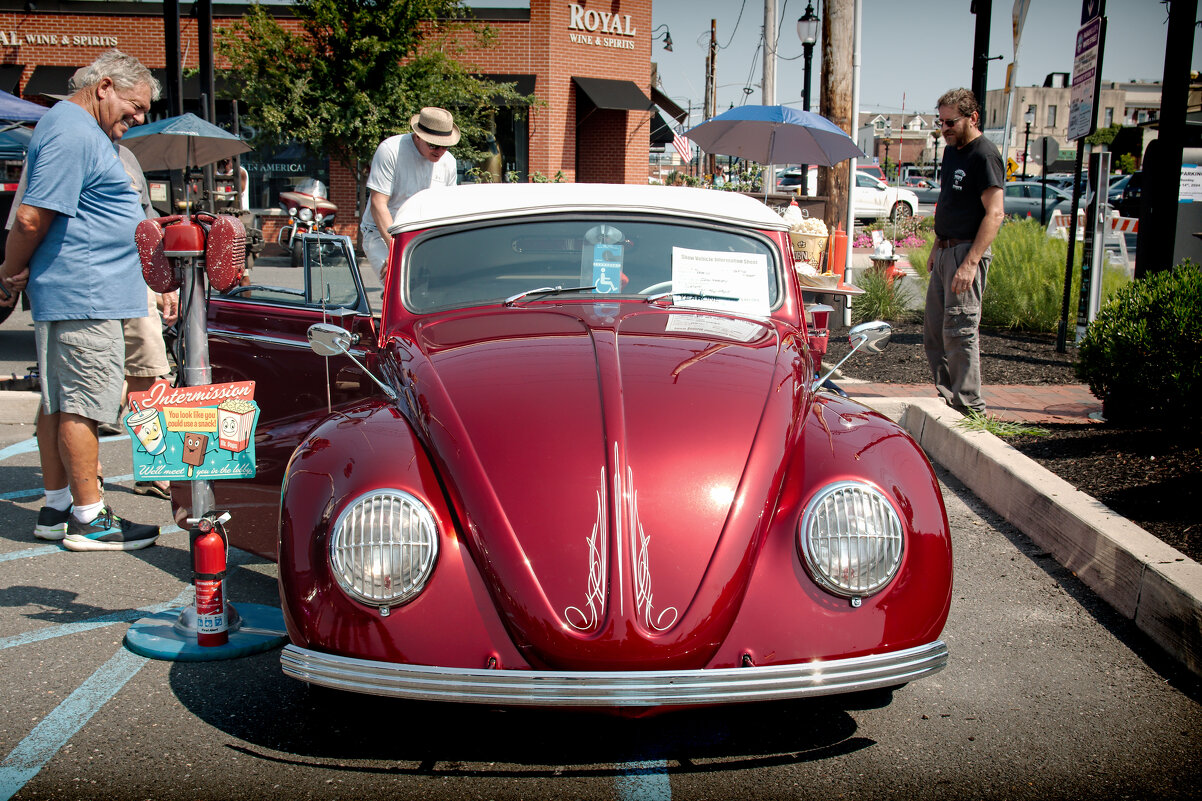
x=160, y=636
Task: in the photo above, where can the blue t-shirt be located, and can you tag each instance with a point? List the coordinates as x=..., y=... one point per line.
x=87, y=266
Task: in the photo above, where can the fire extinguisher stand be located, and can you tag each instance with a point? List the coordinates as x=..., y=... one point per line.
x=174, y=634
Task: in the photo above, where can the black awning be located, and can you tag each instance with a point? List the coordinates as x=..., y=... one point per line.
x=49, y=81
x=10, y=77
x=610, y=94
x=663, y=101
x=661, y=133
x=523, y=84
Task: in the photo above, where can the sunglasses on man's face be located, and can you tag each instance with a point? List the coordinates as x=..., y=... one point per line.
x=950, y=123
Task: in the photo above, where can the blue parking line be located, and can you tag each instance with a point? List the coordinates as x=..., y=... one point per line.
x=41, y=550
x=32, y=493
x=644, y=781
x=56, y=729
x=30, y=445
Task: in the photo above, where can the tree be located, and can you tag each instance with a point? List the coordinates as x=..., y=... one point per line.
x=358, y=72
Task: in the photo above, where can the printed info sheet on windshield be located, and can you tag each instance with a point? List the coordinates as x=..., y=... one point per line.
x=721, y=281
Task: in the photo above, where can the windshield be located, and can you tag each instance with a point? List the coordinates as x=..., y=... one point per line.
x=525, y=262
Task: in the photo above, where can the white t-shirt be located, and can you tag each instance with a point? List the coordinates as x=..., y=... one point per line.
x=400, y=171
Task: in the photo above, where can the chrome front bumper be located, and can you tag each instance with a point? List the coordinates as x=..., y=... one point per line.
x=614, y=688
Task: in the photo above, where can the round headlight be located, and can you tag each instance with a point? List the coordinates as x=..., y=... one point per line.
x=383, y=547
x=851, y=539
x=306, y=214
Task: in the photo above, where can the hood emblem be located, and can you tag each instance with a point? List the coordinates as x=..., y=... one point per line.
x=625, y=498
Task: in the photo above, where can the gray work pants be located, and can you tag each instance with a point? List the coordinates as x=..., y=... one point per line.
x=950, y=330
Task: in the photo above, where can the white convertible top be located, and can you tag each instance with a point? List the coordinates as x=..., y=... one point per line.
x=472, y=202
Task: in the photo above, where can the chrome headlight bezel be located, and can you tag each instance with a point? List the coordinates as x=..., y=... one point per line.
x=306, y=214
x=851, y=539
x=374, y=562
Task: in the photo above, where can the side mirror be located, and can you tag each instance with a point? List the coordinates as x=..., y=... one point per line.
x=872, y=336
x=875, y=335
x=327, y=340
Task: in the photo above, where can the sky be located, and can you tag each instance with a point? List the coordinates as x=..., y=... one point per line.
x=911, y=52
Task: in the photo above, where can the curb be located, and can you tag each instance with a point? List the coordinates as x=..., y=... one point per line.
x=1145, y=580
x=19, y=408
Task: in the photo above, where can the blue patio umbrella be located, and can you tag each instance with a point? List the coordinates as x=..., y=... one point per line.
x=14, y=109
x=775, y=135
x=177, y=143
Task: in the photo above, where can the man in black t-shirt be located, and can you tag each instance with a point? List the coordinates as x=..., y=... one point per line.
x=967, y=219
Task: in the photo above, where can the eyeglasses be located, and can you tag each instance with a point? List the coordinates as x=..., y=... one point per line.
x=950, y=123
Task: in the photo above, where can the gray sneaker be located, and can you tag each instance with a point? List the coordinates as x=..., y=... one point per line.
x=52, y=523
x=109, y=532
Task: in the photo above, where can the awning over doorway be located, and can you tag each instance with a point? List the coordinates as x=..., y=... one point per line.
x=661, y=132
x=48, y=81
x=10, y=76
x=610, y=94
x=523, y=84
x=664, y=102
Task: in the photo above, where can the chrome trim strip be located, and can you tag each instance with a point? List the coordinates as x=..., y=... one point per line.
x=614, y=688
x=299, y=344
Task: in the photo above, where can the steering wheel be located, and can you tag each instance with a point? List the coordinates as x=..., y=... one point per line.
x=662, y=286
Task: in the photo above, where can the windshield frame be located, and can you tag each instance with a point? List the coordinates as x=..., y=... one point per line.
x=401, y=298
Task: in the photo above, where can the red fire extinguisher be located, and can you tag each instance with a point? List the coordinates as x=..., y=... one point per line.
x=208, y=566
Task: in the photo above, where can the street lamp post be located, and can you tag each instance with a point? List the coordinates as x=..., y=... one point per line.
x=888, y=137
x=1028, y=118
x=807, y=31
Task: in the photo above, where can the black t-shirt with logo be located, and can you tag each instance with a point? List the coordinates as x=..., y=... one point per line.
x=967, y=172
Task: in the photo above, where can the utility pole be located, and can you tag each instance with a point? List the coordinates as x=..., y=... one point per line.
x=838, y=22
x=712, y=89
x=768, y=94
x=1158, y=219
x=980, y=53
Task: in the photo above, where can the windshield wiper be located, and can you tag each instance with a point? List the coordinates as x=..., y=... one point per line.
x=546, y=290
x=688, y=296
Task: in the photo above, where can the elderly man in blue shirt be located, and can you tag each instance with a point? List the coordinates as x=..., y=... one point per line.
x=72, y=248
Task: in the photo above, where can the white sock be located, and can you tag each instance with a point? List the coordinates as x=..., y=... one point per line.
x=59, y=499
x=86, y=514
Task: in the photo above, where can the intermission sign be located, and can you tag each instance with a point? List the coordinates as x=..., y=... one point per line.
x=600, y=28
x=193, y=433
x=11, y=39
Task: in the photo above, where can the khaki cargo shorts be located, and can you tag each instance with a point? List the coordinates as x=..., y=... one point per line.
x=145, y=353
x=80, y=364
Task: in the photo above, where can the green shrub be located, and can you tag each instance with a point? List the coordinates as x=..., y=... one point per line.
x=1025, y=288
x=882, y=298
x=1142, y=356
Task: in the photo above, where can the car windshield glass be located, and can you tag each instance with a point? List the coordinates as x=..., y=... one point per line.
x=584, y=258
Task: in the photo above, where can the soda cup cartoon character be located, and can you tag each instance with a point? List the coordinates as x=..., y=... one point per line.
x=147, y=425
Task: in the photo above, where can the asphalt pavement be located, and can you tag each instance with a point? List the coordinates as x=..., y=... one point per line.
x=1048, y=693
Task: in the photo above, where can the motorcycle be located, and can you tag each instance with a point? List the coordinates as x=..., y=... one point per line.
x=309, y=212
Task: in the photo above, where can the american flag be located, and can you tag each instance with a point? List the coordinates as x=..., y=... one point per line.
x=683, y=146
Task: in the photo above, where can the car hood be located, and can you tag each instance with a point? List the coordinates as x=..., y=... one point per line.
x=614, y=466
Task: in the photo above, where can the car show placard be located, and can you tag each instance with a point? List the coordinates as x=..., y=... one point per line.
x=193, y=433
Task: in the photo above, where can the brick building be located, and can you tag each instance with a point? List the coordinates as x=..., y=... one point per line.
x=588, y=61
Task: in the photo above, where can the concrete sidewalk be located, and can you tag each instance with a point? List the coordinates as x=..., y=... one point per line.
x=1026, y=403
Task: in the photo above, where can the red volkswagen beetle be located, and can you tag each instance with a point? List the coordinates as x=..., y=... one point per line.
x=580, y=459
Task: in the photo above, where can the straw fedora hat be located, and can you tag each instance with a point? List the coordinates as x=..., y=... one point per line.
x=434, y=125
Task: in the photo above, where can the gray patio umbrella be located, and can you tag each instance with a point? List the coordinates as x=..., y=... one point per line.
x=775, y=135
x=181, y=142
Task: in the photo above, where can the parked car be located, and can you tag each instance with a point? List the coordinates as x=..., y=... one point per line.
x=1129, y=202
x=873, y=199
x=597, y=468
x=1025, y=199
x=872, y=169
x=924, y=188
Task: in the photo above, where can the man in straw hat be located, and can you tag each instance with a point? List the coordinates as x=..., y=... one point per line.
x=403, y=166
